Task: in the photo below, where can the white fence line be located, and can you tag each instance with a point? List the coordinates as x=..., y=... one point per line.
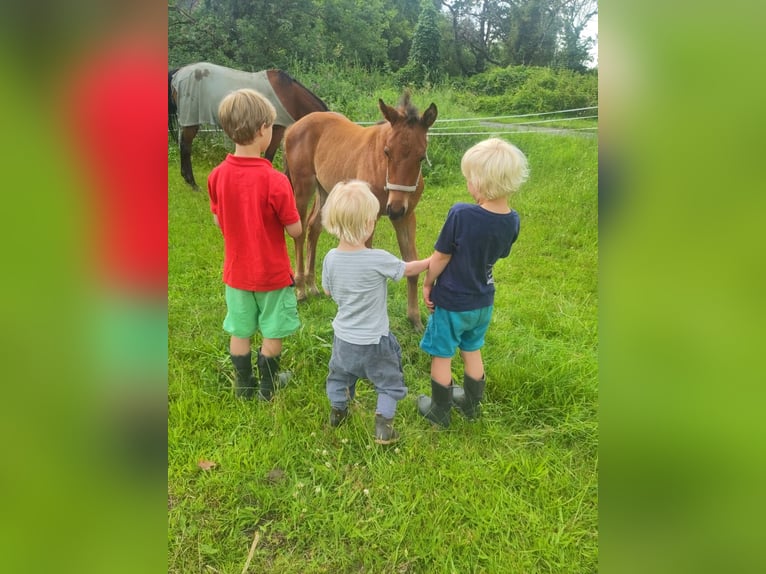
x=503, y=133
x=504, y=117
x=440, y=131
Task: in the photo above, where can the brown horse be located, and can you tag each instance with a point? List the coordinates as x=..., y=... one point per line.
x=196, y=91
x=322, y=149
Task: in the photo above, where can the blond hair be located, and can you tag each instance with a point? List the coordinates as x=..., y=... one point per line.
x=243, y=112
x=495, y=167
x=349, y=210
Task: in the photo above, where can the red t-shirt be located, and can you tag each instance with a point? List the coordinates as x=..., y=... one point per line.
x=253, y=203
x=118, y=128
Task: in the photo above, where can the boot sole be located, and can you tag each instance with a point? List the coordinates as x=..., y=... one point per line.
x=386, y=441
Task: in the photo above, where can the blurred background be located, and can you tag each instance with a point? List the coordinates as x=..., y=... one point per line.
x=83, y=137
x=83, y=298
x=681, y=280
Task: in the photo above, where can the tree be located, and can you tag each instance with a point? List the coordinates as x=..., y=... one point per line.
x=517, y=32
x=574, y=50
x=479, y=28
x=461, y=28
x=398, y=37
x=534, y=32
x=245, y=34
x=422, y=39
x=352, y=30
x=424, y=63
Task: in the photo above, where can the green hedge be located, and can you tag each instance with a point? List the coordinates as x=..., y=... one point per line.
x=525, y=90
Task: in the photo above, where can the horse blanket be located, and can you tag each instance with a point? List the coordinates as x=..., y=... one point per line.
x=200, y=88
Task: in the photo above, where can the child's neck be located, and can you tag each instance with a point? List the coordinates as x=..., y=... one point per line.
x=497, y=205
x=254, y=149
x=346, y=246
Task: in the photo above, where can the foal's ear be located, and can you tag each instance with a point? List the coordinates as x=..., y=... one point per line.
x=391, y=114
x=429, y=116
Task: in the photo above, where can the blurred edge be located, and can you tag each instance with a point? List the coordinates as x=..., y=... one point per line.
x=681, y=288
x=83, y=147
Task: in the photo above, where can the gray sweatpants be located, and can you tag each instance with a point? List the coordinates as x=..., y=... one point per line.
x=381, y=364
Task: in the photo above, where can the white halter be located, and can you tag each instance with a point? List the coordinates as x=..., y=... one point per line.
x=397, y=187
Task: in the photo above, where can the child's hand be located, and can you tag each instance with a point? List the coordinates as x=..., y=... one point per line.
x=427, y=297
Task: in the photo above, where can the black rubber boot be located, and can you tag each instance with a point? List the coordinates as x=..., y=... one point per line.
x=337, y=416
x=384, y=430
x=271, y=378
x=245, y=384
x=468, y=399
x=437, y=407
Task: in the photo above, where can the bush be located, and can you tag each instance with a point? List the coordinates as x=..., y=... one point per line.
x=498, y=81
x=526, y=89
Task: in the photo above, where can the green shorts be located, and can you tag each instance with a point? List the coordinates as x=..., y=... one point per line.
x=130, y=337
x=274, y=313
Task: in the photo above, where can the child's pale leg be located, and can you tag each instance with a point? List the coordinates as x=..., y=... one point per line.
x=239, y=346
x=271, y=347
x=441, y=370
x=472, y=364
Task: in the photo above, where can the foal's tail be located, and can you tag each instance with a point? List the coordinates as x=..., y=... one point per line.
x=285, y=163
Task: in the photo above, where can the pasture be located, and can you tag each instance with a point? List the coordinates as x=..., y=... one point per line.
x=515, y=492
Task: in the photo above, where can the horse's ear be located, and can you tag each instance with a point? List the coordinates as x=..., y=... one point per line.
x=391, y=114
x=429, y=116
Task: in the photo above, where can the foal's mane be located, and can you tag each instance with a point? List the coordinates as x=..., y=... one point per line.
x=406, y=107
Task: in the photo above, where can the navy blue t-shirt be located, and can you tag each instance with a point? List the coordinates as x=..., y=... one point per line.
x=476, y=239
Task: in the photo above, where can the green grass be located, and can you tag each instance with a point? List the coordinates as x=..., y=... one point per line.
x=514, y=492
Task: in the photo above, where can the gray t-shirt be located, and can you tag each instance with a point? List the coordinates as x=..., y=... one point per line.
x=357, y=282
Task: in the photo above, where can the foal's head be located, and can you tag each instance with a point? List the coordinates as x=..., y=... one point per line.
x=405, y=149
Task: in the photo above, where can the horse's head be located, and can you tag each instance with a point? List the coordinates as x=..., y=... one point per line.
x=405, y=149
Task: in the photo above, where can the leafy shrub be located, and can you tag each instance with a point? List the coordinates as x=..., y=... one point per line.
x=526, y=89
x=498, y=81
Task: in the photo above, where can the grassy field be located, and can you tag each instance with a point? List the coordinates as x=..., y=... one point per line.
x=515, y=492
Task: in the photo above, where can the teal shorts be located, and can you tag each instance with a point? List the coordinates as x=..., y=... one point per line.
x=448, y=331
x=274, y=313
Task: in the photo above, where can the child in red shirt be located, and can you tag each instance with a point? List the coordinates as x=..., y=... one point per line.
x=253, y=204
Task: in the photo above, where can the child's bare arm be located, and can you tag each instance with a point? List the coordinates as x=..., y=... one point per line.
x=215, y=220
x=439, y=261
x=416, y=267
x=294, y=229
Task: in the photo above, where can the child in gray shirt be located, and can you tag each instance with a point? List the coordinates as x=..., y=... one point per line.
x=356, y=277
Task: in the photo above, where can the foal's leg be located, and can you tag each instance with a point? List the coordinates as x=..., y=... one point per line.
x=301, y=201
x=405, y=235
x=315, y=229
x=185, y=145
x=303, y=188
